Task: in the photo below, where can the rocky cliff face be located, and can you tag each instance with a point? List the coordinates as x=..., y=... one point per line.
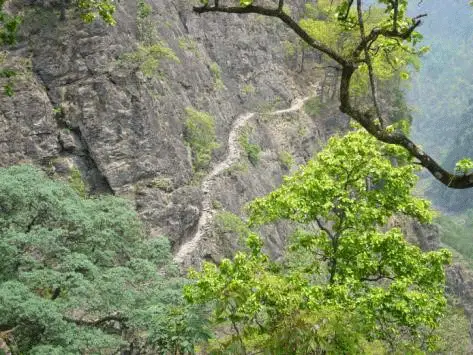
x=98, y=100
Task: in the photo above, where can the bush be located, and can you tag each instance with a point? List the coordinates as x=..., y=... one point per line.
x=76, y=182
x=217, y=74
x=286, y=159
x=248, y=89
x=252, y=150
x=189, y=44
x=147, y=58
x=312, y=106
x=200, y=135
x=227, y=222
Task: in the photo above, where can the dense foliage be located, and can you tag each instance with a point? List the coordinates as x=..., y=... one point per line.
x=8, y=26
x=89, y=10
x=346, y=286
x=79, y=276
x=335, y=23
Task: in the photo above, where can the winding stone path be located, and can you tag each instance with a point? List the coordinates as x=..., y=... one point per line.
x=233, y=155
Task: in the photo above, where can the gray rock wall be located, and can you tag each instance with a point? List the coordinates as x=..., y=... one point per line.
x=81, y=102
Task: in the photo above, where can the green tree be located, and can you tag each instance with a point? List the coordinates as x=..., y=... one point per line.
x=366, y=44
x=79, y=276
x=8, y=28
x=346, y=286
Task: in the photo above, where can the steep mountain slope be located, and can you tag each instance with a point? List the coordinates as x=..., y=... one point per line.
x=106, y=102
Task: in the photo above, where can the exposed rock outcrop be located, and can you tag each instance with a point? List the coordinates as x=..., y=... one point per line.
x=85, y=101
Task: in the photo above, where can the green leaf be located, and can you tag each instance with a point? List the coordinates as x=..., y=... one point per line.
x=246, y=3
x=8, y=89
x=404, y=75
x=464, y=165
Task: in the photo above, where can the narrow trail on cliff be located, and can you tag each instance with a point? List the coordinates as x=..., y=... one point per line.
x=233, y=155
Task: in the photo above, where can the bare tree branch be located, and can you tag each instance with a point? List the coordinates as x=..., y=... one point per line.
x=369, y=64
x=323, y=228
x=95, y=322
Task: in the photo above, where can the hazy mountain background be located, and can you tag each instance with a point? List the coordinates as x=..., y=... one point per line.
x=441, y=94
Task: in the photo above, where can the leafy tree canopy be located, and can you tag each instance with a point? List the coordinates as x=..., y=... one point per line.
x=92, y=9
x=346, y=286
x=79, y=276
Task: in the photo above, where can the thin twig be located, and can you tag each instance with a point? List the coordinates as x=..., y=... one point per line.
x=369, y=64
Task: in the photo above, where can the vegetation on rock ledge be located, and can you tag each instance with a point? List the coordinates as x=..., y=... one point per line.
x=201, y=137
